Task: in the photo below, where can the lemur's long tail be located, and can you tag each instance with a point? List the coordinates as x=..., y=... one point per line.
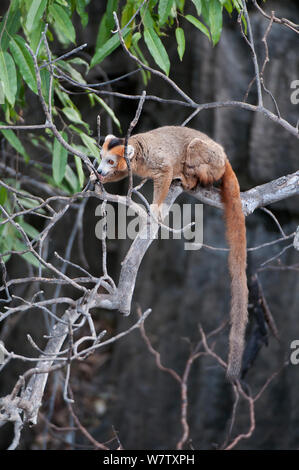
x=236, y=237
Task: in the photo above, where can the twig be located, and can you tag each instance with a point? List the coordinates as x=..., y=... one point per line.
x=283, y=21
x=278, y=254
x=128, y=135
x=63, y=56
x=254, y=57
x=264, y=40
x=275, y=220
x=82, y=428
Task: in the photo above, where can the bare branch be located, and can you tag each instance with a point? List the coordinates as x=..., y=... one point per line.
x=283, y=21
x=254, y=57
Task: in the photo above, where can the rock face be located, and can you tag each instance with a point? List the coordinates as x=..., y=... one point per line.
x=185, y=288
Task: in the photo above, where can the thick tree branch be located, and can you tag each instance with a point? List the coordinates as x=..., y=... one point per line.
x=260, y=196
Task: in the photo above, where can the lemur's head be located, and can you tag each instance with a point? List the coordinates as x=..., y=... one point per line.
x=113, y=165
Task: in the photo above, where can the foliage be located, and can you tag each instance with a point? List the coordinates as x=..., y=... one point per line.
x=145, y=25
x=156, y=18
x=26, y=20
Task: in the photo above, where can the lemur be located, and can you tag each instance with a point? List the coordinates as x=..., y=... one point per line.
x=173, y=152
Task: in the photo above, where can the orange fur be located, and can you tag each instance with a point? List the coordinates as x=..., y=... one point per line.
x=121, y=164
x=236, y=237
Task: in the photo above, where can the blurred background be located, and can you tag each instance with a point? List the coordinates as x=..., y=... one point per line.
x=121, y=389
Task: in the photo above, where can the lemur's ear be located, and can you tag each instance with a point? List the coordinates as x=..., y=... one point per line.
x=109, y=137
x=130, y=151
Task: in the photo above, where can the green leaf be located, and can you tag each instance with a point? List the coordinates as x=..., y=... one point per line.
x=127, y=14
x=3, y=195
x=198, y=24
x=80, y=172
x=137, y=52
x=15, y=142
x=59, y=161
x=238, y=4
x=79, y=61
x=30, y=203
x=180, y=4
x=108, y=47
x=164, y=9
x=45, y=83
x=109, y=110
x=135, y=39
x=112, y=6
x=8, y=76
x=2, y=227
x=64, y=3
x=4, y=248
x=73, y=115
x=146, y=16
x=9, y=25
x=157, y=50
x=106, y=24
x=228, y=6
x=80, y=8
x=35, y=14
x=198, y=6
x=24, y=61
x=64, y=98
x=35, y=35
x=79, y=147
x=72, y=179
x=151, y=3
x=29, y=257
x=205, y=11
x=180, y=38
x=49, y=35
x=90, y=144
x=63, y=22
x=72, y=71
x=103, y=32
x=8, y=236
x=29, y=230
x=215, y=20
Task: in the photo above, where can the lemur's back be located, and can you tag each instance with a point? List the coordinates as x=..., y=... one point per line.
x=170, y=139
x=184, y=152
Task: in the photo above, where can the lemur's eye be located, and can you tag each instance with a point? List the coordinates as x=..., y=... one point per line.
x=110, y=162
